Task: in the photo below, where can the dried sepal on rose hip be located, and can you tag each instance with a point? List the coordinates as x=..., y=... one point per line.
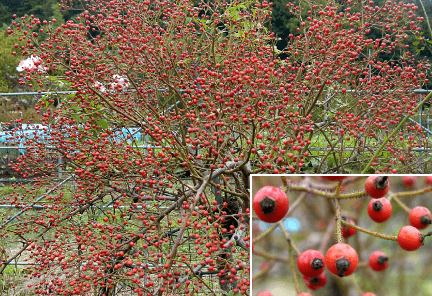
x=311, y=263
x=270, y=204
x=315, y=283
x=377, y=186
x=341, y=259
x=378, y=261
x=420, y=217
x=379, y=209
x=410, y=238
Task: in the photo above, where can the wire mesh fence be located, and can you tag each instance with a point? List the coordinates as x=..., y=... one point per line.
x=203, y=277
x=192, y=268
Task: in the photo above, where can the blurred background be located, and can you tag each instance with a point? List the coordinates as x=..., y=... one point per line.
x=312, y=226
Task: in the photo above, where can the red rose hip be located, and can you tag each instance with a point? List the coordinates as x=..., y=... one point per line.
x=379, y=209
x=409, y=238
x=311, y=263
x=348, y=231
x=341, y=259
x=420, y=217
x=378, y=261
x=377, y=186
x=270, y=204
x=316, y=282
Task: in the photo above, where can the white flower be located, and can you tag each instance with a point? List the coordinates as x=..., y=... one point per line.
x=121, y=81
x=100, y=86
x=31, y=64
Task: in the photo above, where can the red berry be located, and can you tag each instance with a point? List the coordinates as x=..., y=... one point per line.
x=316, y=282
x=270, y=204
x=377, y=186
x=428, y=179
x=265, y=293
x=420, y=217
x=348, y=231
x=368, y=294
x=311, y=263
x=409, y=238
x=334, y=178
x=378, y=261
x=341, y=259
x=409, y=181
x=379, y=209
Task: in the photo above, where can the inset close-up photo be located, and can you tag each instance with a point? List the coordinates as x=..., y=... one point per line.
x=341, y=235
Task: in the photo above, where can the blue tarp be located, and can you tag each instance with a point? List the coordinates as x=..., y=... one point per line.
x=42, y=132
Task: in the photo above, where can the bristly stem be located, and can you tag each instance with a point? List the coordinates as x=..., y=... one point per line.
x=411, y=193
x=265, y=233
x=270, y=257
x=325, y=194
x=401, y=204
x=359, y=194
x=338, y=213
x=338, y=222
x=288, y=238
x=261, y=273
x=377, y=234
x=284, y=180
x=290, y=247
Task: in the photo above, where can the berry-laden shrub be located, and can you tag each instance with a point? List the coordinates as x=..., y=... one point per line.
x=204, y=81
x=140, y=179
x=341, y=241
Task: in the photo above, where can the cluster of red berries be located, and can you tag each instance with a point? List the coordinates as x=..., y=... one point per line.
x=271, y=205
x=380, y=209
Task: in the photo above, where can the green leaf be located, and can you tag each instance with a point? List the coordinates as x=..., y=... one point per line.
x=240, y=33
x=416, y=43
x=420, y=49
x=76, y=118
x=103, y=124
